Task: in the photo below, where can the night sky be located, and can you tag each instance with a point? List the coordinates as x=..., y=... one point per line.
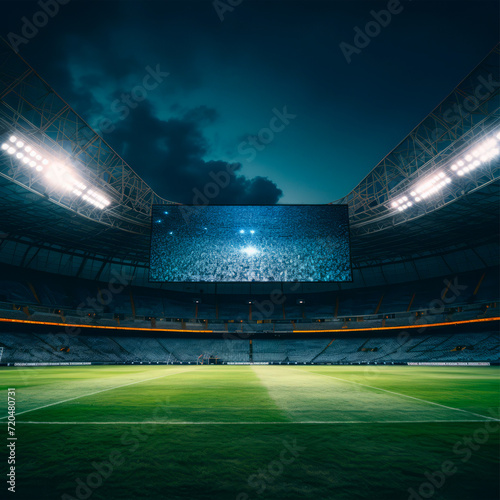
x=266, y=65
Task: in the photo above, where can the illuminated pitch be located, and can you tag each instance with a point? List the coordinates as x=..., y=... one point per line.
x=276, y=243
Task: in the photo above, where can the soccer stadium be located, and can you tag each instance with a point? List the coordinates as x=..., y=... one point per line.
x=141, y=359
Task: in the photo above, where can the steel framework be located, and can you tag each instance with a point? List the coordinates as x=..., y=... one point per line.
x=31, y=108
x=470, y=113
x=467, y=207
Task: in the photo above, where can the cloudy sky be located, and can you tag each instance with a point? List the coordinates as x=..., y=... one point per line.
x=281, y=91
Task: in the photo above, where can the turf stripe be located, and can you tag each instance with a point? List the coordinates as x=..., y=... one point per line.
x=400, y=394
x=306, y=422
x=98, y=392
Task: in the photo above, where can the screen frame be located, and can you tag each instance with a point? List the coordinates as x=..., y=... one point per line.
x=154, y=205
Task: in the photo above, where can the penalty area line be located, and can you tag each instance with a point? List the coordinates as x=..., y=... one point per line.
x=402, y=395
x=305, y=422
x=99, y=392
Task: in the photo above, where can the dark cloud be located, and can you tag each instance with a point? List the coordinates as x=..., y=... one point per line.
x=226, y=77
x=170, y=155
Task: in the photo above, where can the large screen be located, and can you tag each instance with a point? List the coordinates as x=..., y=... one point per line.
x=276, y=243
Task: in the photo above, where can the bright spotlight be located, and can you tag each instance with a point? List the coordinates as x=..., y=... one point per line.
x=11, y=151
x=12, y=138
x=5, y=146
x=252, y=231
x=250, y=251
x=242, y=231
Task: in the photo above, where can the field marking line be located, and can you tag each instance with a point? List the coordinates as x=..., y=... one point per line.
x=399, y=394
x=98, y=392
x=305, y=422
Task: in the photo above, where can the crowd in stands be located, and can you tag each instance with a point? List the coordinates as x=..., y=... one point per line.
x=245, y=244
x=51, y=348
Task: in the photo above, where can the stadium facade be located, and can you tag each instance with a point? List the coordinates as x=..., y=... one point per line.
x=424, y=224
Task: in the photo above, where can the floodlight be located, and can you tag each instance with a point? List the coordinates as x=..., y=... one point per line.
x=250, y=251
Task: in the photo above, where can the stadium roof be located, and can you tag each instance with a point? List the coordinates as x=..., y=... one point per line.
x=109, y=220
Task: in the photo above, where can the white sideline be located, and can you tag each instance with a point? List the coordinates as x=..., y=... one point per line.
x=305, y=422
x=399, y=394
x=97, y=392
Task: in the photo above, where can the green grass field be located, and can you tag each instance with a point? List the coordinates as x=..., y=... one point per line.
x=254, y=432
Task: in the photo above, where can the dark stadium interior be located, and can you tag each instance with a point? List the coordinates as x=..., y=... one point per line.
x=103, y=287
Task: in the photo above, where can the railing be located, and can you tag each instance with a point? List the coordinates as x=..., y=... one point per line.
x=422, y=316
